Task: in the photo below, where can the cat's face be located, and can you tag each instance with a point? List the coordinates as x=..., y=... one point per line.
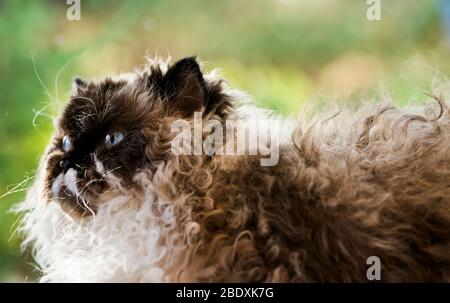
x=109, y=132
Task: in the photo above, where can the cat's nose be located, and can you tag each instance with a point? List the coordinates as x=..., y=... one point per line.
x=64, y=164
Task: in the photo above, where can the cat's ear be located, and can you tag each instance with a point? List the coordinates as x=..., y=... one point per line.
x=79, y=85
x=183, y=86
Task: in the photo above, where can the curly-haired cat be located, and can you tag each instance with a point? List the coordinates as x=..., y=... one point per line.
x=112, y=202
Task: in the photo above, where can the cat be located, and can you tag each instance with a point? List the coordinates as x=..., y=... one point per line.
x=112, y=202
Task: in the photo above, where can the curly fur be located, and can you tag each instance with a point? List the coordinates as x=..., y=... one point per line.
x=347, y=186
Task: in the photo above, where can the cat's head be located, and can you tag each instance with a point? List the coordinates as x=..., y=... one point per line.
x=112, y=129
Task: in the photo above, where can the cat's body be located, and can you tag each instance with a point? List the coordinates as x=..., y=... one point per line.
x=344, y=189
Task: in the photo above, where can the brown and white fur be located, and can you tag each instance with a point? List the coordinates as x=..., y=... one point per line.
x=345, y=188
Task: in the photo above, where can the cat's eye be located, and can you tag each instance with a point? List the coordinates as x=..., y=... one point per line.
x=66, y=144
x=113, y=139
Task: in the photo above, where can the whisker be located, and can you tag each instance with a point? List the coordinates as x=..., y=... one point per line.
x=16, y=226
x=87, y=206
x=38, y=113
x=58, y=74
x=110, y=171
x=35, y=267
x=40, y=79
x=17, y=188
x=97, y=180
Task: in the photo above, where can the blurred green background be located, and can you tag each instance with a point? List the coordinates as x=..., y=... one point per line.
x=283, y=52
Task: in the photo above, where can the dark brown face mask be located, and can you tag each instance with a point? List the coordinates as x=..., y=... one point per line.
x=113, y=127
